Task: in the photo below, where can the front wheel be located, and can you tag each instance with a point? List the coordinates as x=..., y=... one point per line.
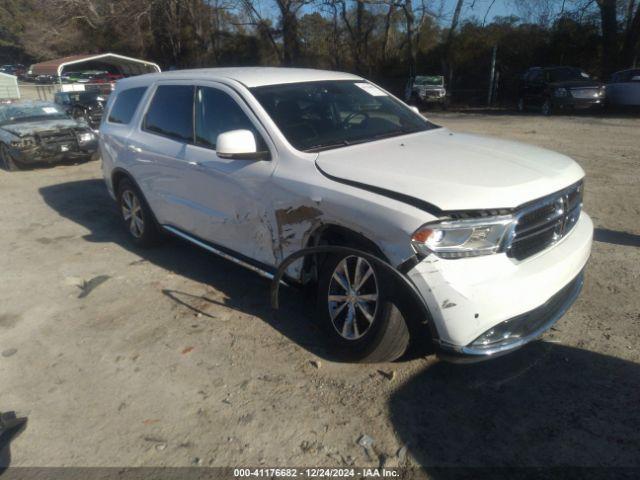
x=137, y=215
x=7, y=159
x=355, y=310
x=547, y=107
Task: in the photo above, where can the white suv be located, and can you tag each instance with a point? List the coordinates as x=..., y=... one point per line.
x=402, y=226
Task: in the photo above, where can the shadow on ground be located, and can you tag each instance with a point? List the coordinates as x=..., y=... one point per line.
x=616, y=238
x=546, y=405
x=87, y=203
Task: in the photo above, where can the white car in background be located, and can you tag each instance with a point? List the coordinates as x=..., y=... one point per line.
x=624, y=89
x=405, y=227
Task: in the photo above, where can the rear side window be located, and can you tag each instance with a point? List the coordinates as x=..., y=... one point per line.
x=216, y=113
x=171, y=112
x=126, y=104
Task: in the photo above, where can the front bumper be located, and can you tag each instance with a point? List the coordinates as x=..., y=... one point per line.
x=426, y=98
x=579, y=103
x=467, y=298
x=51, y=154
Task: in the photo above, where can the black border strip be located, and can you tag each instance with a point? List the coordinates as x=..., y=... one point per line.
x=407, y=199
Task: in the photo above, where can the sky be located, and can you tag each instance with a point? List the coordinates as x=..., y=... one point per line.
x=499, y=8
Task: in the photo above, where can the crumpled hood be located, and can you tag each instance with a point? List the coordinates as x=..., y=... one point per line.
x=30, y=128
x=454, y=171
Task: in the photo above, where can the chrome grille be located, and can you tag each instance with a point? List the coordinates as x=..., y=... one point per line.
x=545, y=222
x=58, y=137
x=584, y=92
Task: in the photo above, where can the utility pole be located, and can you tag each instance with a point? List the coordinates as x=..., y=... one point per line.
x=492, y=76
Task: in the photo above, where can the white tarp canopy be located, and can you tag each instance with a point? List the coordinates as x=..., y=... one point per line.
x=8, y=87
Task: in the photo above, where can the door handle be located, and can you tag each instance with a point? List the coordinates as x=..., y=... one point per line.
x=135, y=149
x=195, y=164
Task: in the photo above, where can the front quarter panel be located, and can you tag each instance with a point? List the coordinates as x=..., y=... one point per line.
x=307, y=201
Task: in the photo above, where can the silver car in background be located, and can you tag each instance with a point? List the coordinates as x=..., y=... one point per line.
x=624, y=89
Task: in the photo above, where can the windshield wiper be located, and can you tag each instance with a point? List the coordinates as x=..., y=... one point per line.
x=325, y=146
x=380, y=136
x=356, y=141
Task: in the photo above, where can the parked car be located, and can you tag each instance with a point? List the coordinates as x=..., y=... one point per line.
x=93, y=76
x=17, y=70
x=559, y=88
x=41, y=132
x=70, y=77
x=624, y=89
x=427, y=90
x=477, y=241
x=87, y=106
x=45, y=79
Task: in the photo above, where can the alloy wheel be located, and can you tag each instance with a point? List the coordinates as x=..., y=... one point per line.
x=353, y=297
x=132, y=213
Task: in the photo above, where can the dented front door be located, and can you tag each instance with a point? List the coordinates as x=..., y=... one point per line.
x=230, y=199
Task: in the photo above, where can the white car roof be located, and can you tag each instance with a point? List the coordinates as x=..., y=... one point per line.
x=248, y=76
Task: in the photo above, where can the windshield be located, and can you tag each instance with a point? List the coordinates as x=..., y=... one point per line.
x=15, y=113
x=566, y=74
x=432, y=80
x=316, y=116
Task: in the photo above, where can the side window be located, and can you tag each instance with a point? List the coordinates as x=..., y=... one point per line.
x=171, y=112
x=216, y=113
x=125, y=105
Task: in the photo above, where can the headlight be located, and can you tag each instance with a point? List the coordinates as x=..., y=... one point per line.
x=86, y=137
x=24, y=142
x=560, y=92
x=462, y=238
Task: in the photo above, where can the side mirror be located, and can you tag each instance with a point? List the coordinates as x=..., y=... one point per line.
x=239, y=145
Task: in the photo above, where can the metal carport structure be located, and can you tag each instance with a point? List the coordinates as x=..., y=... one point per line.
x=103, y=61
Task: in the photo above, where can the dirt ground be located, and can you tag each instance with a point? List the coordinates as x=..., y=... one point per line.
x=172, y=357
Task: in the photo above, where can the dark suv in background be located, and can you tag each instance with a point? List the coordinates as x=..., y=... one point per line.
x=559, y=88
x=87, y=106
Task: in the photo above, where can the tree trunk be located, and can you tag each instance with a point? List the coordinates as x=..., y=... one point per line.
x=411, y=53
x=447, y=64
x=387, y=30
x=609, y=26
x=289, y=27
x=631, y=43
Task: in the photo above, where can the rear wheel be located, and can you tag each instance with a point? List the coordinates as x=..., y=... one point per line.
x=8, y=162
x=137, y=215
x=355, y=310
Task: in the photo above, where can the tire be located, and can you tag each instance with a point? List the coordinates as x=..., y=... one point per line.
x=547, y=108
x=368, y=331
x=137, y=216
x=8, y=162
